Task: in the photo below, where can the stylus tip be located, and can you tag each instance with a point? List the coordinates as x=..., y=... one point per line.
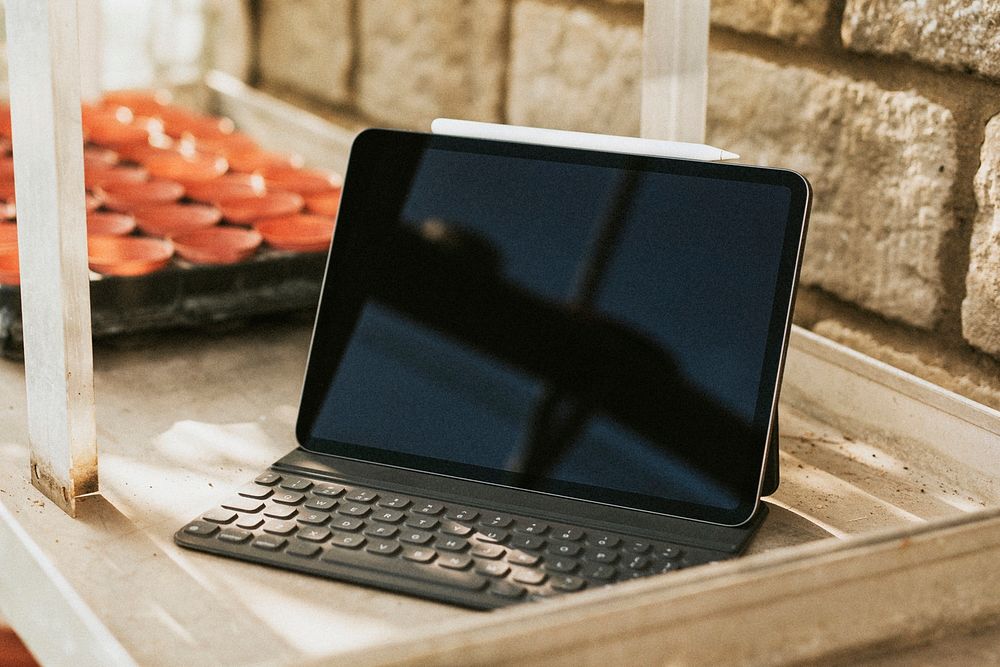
x=726, y=155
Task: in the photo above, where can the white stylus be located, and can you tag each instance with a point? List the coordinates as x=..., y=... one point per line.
x=585, y=140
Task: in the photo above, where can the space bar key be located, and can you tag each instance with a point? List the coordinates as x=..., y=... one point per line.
x=400, y=568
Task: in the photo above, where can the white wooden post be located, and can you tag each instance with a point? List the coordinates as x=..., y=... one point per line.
x=91, y=49
x=675, y=69
x=44, y=72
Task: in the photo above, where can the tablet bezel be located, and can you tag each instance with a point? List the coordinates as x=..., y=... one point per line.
x=378, y=155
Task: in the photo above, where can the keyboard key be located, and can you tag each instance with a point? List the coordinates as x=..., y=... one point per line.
x=328, y=490
x=347, y=541
x=454, y=561
x=492, y=535
x=362, y=495
x=346, y=523
x=219, y=516
x=462, y=514
x=531, y=527
x=388, y=516
x=455, y=528
x=404, y=567
x=425, y=522
x=418, y=555
x=314, y=518
x=571, y=534
x=604, y=540
x=288, y=497
x=637, y=562
x=600, y=556
x=416, y=537
x=280, y=511
x=353, y=509
x=430, y=508
x=603, y=572
x=566, y=582
x=314, y=534
x=235, y=535
x=522, y=558
x=321, y=503
x=561, y=564
x=268, y=478
x=383, y=547
x=280, y=527
x=487, y=550
x=527, y=542
x=451, y=544
x=303, y=550
x=244, y=505
x=496, y=521
x=533, y=577
x=201, y=528
x=382, y=530
x=269, y=542
x=564, y=549
x=494, y=568
x=637, y=546
x=256, y=491
x=296, y=484
x=669, y=553
x=394, y=502
x=250, y=522
x=505, y=589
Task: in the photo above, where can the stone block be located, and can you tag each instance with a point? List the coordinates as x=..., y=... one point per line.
x=798, y=21
x=882, y=164
x=575, y=68
x=420, y=60
x=306, y=45
x=981, y=307
x=956, y=34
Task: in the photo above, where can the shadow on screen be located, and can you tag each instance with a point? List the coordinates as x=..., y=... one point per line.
x=450, y=279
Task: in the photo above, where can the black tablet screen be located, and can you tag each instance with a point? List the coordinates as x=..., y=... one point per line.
x=597, y=326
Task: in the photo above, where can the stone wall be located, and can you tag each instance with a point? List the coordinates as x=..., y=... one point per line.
x=891, y=108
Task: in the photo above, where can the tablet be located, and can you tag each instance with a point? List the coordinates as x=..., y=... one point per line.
x=603, y=327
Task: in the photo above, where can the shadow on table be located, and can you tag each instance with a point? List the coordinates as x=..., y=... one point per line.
x=169, y=607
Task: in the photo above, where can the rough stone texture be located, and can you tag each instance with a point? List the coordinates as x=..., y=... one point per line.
x=421, y=60
x=574, y=68
x=981, y=308
x=881, y=164
x=799, y=21
x=306, y=45
x=962, y=34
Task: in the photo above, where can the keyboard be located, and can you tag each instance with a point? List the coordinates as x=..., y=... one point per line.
x=464, y=555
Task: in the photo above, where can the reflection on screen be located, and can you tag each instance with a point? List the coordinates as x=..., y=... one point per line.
x=565, y=323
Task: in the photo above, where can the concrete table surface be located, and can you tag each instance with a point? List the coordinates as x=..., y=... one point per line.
x=184, y=418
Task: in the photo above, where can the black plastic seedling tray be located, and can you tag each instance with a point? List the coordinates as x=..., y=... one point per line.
x=186, y=295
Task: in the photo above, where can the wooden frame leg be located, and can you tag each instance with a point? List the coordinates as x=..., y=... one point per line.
x=44, y=72
x=675, y=69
